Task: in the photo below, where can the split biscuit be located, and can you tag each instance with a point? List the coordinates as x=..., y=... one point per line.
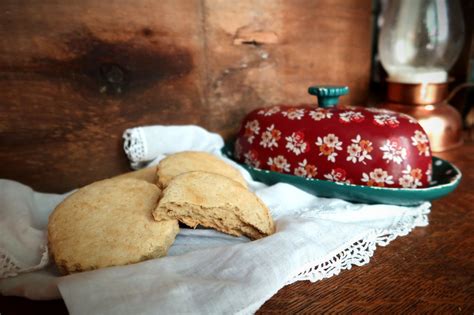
x=215, y=201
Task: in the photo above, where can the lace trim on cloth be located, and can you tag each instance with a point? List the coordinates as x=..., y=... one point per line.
x=360, y=252
x=10, y=267
x=134, y=147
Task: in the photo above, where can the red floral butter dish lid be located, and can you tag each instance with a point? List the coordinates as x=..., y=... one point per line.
x=354, y=145
x=346, y=145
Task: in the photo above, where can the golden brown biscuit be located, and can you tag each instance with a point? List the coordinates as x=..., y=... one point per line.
x=189, y=161
x=108, y=223
x=215, y=201
x=147, y=174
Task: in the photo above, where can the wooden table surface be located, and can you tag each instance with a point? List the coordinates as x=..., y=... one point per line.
x=431, y=270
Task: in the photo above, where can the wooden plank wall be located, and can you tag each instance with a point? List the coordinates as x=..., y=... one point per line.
x=74, y=74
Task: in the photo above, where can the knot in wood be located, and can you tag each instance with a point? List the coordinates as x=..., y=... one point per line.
x=112, y=73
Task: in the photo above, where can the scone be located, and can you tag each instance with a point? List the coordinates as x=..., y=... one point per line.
x=189, y=161
x=215, y=201
x=108, y=223
x=147, y=174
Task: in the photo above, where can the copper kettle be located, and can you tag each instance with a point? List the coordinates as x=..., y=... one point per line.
x=428, y=103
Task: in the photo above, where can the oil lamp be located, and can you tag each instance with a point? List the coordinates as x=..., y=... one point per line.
x=419, y=42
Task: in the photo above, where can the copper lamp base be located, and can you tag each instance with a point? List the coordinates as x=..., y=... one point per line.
x=427, y=103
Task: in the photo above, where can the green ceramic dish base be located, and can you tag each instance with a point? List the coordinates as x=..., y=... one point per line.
x=446, y=178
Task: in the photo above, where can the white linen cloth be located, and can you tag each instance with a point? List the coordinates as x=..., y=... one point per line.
x=206, y=272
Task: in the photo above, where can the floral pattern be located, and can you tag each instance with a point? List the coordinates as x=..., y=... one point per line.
x=386, y=120
x=411, y=177
x=306, y=170
x=359, y=150
x=320, y=113
x=279, y=164
x=296, y=144
x=420, y=140
x=251, y=129
x=351, y=116
x=251, y=158
x=293, y=113
x=269, y=111
x=378, y=177
x=328, y=146
x=392, y=151
x=338, y=175
x=270, y=137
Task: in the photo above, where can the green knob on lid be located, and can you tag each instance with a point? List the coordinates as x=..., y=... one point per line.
x=328, y=96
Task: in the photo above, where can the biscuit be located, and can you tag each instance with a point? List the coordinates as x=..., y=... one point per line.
x=147, y=174
x=189, y=161
x=215, y=201
x=108, y=223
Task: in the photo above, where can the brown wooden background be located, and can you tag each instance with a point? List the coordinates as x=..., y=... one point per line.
x=74, y=74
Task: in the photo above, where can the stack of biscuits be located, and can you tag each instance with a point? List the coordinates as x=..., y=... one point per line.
x=134, y=217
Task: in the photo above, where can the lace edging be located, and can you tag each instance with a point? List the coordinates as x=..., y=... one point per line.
x=134, y=147
x=10, y=267
x=359, y=252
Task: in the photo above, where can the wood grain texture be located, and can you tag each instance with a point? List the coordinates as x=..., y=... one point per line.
x=429, y=271
x=286, y=47
x=74, y=75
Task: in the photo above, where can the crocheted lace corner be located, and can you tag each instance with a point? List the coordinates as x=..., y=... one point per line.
x=10, y=267
x=134, y=147
x=360, y=252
